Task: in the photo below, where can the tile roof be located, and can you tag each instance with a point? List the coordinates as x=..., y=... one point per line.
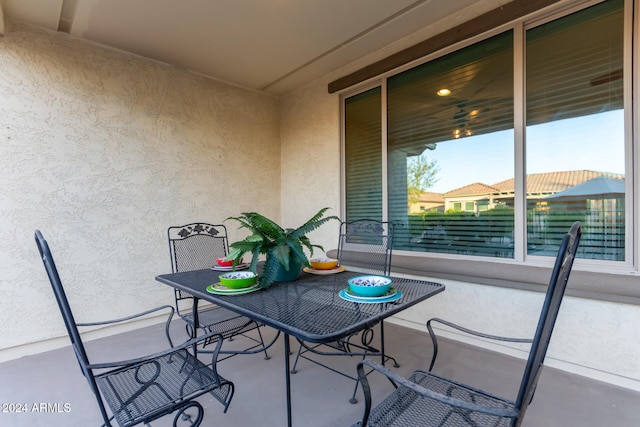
x=547, y=183
x=472, y=189
x=429, y=197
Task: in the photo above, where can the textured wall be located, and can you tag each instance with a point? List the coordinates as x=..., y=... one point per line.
x=311, y=160
x=102, y=151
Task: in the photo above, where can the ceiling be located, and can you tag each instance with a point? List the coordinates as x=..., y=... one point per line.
x=274, y=46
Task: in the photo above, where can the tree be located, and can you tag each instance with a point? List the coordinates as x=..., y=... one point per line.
x=421, y=175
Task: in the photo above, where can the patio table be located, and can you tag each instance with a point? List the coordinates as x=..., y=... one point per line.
x=308, y=308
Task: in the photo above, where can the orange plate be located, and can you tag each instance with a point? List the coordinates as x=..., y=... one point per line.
x=338, y=269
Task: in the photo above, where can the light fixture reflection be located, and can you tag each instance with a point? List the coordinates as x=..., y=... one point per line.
x=457, y=133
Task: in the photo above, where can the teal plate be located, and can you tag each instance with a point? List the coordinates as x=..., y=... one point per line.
x=394, y=296
x=390, y=292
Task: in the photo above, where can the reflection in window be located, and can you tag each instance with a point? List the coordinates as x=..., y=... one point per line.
x=575, y=132
x=464, y=137
x=451, y=144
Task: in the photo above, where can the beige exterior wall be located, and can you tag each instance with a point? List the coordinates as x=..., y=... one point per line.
x=103, y=151
x=310, y=149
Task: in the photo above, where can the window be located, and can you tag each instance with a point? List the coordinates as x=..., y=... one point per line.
x=456, y=114
x=575, y=158
x=501, y=181
x=363, y=155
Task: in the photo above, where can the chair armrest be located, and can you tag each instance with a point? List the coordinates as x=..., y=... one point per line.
x=434, y=340
x=133, y=316
x=397, y=380
x=173, y=349
x=170, y=309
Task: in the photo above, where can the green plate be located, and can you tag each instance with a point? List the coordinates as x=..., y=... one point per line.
x=220, y=289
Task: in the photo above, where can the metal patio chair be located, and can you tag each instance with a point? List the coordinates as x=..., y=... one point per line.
x=196, y=246
x=146, y=388
x=366, y=246
x=426, y=399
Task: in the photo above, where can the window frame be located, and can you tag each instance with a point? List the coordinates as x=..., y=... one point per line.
x=598, y=279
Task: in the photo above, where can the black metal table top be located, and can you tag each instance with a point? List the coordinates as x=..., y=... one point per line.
x=308, y=308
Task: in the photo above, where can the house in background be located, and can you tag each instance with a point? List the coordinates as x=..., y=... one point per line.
x=427, y=202
x=479, y=197
x=597, y=198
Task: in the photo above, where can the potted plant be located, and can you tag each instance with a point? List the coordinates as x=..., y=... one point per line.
x=283, y=248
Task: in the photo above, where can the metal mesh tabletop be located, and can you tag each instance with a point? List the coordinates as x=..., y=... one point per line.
x=308, y=308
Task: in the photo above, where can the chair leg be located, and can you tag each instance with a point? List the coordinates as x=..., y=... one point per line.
x=189, y=330
x=182, y=415
x=395, y=362
x=367, y=339
x=384, y=355
x=353, y=399
x=266, y=355
x=295, y=362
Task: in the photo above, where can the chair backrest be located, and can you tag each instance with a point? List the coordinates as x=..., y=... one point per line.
x=196, y=246
x=548, y=316
x=67, y=315
x=367, y=245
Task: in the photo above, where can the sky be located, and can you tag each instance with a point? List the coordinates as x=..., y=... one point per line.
x=594, y=142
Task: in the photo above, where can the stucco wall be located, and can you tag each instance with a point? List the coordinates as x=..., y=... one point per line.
x=103, y=151
x=311, y=160
x=592, y=338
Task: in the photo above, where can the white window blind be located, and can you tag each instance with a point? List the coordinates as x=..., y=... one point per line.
x=363, y=156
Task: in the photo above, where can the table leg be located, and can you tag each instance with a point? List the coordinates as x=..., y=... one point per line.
x=196, y=322
x=382, y=340
x=288, y=377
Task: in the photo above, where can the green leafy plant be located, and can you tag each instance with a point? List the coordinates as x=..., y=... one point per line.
x=282, y=247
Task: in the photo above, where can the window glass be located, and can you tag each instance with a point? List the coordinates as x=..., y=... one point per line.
x=450, y=145
x=363, y=155
x=450, y=141
x=575, y=132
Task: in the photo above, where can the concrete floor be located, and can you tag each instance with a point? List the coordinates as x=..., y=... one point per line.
x=320, y=397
